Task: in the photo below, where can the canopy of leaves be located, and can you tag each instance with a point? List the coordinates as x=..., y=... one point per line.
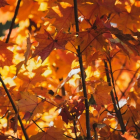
x=40, y=64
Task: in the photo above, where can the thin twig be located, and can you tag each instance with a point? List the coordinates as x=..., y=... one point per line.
x=43, y=98
x=81, y=127
x=122, y=70
x=71, y=51
x=44, y=131
x=32, y=123
x=130, y=82
x=13, y=21
x=87, y=20
x=68, y=136
x=82, y=73
x=14, y=107
x=4, y=114
x=91, y=41
x=74, y=123
x=38, y=126
x=118, y=113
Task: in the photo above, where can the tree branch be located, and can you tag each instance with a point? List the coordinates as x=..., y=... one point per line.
x=14, y=107
x=117, y=110
x=82, y=73
x=13, y=21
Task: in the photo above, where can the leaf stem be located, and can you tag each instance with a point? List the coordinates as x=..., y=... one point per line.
x=82, y=73
x=14, y=107
x=13, y=21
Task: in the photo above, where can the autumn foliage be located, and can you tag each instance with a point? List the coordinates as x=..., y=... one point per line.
x=70, y=70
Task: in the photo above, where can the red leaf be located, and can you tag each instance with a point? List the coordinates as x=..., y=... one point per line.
x=3, y=3
x=78, y=109
x=47, y=43
x=65, y=114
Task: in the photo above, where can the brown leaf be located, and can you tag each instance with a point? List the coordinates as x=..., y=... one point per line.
x=14, y=123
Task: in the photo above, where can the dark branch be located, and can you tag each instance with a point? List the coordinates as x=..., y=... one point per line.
x=38, y=126
x=117, y=110
x=14, y=107
x=13, y=21
x=82, y=73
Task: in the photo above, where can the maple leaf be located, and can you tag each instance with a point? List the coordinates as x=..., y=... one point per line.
x=3, y=3
x=29, y=80
x=52, y=134
x=128, y=18
x=89, y=40
x=31, y=9
x=29, y=103
x=132, y=45
x=47, y=43
x=64, y=15
x=101, y=94
x=78, y=109
x=65, y=114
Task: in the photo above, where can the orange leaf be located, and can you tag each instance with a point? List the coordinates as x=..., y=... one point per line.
x=101, y=94
x=128, y=136
x=5, y=54
x=64, y=15
x=28, y=102
x=47, y=43
x=51, y=134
